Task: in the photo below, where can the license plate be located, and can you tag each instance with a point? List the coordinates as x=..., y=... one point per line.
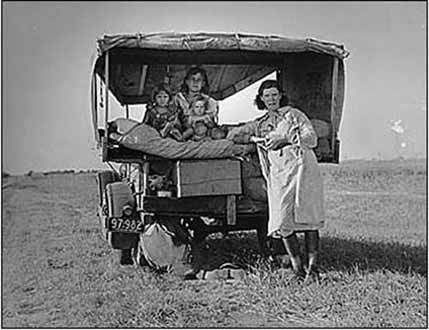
x=125, y=225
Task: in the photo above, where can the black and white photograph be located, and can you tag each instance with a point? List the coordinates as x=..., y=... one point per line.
x=214, y=164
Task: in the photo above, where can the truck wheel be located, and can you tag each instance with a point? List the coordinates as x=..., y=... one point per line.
x=125, y=257
x=199, y=229
x=262, y=239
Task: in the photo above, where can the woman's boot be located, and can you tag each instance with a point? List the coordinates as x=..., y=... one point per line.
x=292, y=248
x=312, y=251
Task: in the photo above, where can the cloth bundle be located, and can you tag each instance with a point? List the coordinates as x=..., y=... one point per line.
x=321, y=127
x=145, y=138
x=323, y=131
x=164, y=245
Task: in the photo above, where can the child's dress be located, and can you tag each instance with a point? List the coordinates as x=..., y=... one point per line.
x=164, y=122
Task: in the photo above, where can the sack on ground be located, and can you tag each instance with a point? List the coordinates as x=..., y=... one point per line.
x=162, y=248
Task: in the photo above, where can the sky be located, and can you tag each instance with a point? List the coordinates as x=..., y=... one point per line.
x=47, y=48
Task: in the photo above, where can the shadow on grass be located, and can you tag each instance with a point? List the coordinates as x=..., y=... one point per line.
x=335, y=254
x=346, y=254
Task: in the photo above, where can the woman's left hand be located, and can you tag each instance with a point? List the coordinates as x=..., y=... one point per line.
x=275, y=141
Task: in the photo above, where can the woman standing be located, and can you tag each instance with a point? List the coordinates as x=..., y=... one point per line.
x=285, y=138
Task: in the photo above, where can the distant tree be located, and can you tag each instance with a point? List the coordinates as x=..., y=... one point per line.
x=5, y=175
x=30, y=173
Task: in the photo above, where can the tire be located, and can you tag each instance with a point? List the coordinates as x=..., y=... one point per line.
x=125, y=257
x=262, y=239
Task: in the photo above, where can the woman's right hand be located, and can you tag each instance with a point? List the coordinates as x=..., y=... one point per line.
x=295, y=139
x=275, y=141
x=256, y=139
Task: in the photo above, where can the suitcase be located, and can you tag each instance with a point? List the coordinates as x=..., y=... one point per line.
x=207, y=177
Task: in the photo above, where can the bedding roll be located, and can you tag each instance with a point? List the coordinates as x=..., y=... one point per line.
x=145, y=138
x=322, y=128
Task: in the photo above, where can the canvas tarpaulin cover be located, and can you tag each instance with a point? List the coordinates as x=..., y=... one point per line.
x=140, y=60
x=145, y=138
x=220, y=41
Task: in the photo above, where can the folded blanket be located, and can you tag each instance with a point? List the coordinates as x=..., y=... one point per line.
x=322, y=128
x=145, y=138
x=323, y=148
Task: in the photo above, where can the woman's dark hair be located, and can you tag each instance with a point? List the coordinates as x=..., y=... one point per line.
x=192, y=71
x=270, y=84
x=161, y=88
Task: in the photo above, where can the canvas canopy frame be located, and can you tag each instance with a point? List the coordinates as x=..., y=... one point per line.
x=311, y=72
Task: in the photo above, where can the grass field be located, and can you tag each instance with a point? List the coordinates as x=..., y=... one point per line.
x=57, y=271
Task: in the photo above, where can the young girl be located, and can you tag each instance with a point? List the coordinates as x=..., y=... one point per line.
x=161, y=115
x=195, y=84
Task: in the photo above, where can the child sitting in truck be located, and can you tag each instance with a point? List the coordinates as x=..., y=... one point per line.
x=219, y=132
x=162, y=116
x=202, y=133
x=198, y=124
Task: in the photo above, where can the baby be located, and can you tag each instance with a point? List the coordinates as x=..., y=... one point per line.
x=218, y=133
x=162, y=116
x=198, y=124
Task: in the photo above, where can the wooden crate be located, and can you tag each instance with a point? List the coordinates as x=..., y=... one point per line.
x=208, y=177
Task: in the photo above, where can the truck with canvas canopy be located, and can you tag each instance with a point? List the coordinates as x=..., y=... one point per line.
x=210, y=188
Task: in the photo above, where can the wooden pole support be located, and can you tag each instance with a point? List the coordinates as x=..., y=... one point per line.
x=231, y=210
x=127, y=111
x=334, y=100
x=145, y=170
x=138, y=184
x=106, y=94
